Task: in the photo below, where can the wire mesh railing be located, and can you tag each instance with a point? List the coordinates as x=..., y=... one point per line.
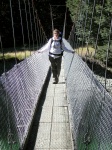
x=89, y=77
x=20, y=89
x=90, y=106
x=20, y=83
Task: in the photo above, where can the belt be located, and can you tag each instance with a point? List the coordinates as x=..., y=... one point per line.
x=56, y=54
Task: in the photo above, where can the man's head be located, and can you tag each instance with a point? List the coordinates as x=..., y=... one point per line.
x=56, y=33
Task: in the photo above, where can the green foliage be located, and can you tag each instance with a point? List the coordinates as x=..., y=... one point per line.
x=73, y=6
x=92, y=27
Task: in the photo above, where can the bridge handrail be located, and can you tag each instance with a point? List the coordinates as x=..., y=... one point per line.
x=20, y=89
x=90, y=106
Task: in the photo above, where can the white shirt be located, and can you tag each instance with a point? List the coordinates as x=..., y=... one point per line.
x=55, y=47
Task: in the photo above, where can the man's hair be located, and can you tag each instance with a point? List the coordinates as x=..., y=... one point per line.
x=56, y=31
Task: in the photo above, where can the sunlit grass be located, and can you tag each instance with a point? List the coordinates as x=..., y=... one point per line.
x=10, y=60
x=19, y=55
x=88, y=52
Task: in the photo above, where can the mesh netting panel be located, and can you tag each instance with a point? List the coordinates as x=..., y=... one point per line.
x=20, y=89
x=90, y=106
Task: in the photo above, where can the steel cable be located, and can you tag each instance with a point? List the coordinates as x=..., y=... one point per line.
x=32, y=34
x=23, y=37
x=13, y=31
x=29, y=41
x=33, y=7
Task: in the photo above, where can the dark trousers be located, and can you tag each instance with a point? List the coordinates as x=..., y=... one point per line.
x=55, y=66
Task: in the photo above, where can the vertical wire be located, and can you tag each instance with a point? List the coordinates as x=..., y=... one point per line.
x=91, y=22
x=44, y=36
x=85, y=23
x=70, y=36
x=73, y=54
x=104, y=92
x=77, y=21
x=27, y=24
x=7, y=103
x=52, y=18
x=77, y=40
x=34, y=21
x=81, y=23
x=23, y=37
x=4, y=70
x=38, y=31
x=103, y=97
x=64, y=23
x=97, y=40
x=42, y=33
x=32, y=35
x=89, y=109
x=107, y=53
x=87, y=133
x=74, y=36
x=74, y=28
x=12, y=20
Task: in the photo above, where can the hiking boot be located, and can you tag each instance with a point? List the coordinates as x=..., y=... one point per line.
x=55, y=80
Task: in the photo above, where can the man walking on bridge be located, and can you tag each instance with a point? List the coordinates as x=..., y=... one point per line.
x=56, y=47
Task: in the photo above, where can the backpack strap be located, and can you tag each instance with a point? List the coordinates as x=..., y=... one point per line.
x=59, y=41
x=60, y=46
x=51, y=41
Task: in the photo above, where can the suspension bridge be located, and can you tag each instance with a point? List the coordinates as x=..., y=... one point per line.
x=76, y=113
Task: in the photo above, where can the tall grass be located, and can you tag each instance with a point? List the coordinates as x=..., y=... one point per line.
x=8, y=60
x=19, y=55
x=85, y=52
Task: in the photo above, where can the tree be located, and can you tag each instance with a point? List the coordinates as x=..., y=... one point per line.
x=97, y=13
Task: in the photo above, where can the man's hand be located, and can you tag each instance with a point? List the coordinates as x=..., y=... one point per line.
x=39, y=51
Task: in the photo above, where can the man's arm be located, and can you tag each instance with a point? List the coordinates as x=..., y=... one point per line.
x=66, y=49
x=46, y=47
